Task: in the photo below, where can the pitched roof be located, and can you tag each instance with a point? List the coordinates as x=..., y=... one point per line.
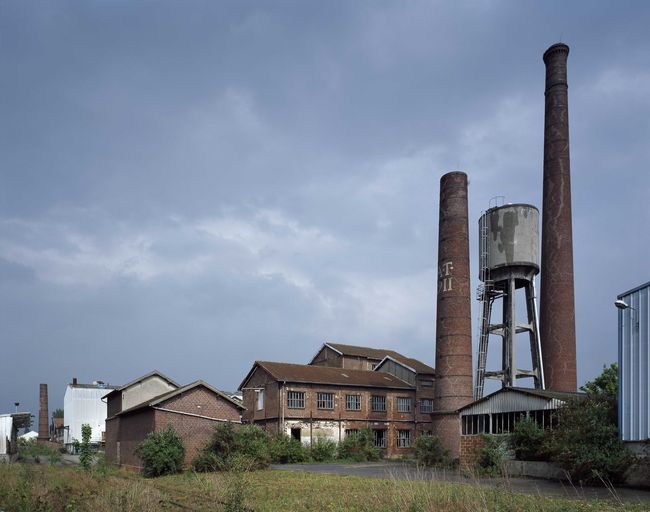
x=170, y=394
x=309, y=374
x=379, y=354
x=542, y=393
x=153, y=373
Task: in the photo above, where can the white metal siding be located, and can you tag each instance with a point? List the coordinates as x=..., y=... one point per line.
x=6, y=426
x=512, y=401
x=634, y=365
x=84, y=405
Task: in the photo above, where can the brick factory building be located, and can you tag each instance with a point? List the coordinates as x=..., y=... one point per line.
x=345, y=389
x=192, y=410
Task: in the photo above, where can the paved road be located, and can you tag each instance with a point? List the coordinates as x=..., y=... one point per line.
x=408, y=471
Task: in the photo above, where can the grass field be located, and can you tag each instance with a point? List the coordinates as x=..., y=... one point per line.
x=29, y=487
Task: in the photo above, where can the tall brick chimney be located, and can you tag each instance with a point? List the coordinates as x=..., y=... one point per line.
x=453, y=384
x=43, y=415
x=557, y=309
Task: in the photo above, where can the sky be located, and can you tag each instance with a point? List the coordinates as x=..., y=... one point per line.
x=193, y=186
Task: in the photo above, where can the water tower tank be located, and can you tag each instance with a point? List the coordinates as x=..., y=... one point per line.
x=509, y=238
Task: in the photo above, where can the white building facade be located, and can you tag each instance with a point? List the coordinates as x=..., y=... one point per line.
x=83, y=403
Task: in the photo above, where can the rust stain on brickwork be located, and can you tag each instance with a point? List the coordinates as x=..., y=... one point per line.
x=453, y=323
x=557, y=309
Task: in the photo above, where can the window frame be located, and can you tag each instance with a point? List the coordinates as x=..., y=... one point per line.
x=403, y=438
x=323, y=398
x=377, y=399
x=260, y=400
x=357, y=402
x=402, y=401
x=428, y=408
x=293, y=398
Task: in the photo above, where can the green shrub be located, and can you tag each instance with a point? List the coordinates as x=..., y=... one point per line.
x=490, y=456
x=229, y=448
x=162, y=453
x=286, y=450
x=323, y=450
x=585, y=442
x=529, y=440
x=85, y=452
x=429, y=451
x=359, y=447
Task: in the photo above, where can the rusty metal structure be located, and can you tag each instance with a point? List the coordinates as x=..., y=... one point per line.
x=557, y=309
x=43, y=414
x=453, y=387
x=508, y=261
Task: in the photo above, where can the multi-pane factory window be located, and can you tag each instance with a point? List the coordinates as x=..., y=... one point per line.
x=426, y=383
x=351, y=432
x=403, y=438
x=379, y=438
x=353, y=402
x=403, y=404
x=296, y=399
x=325, y=400
x=504, y=422
x=426, y=405
x=475, y=424
x=378, y=403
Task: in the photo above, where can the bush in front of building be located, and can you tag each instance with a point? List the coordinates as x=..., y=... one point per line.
x=162, y=453
x=286, y=450
x=359, y=447
x=234, y=448
x=323, y=450
x=586, y=445
x=529, y=440
x=428, y=451
x=490, y=456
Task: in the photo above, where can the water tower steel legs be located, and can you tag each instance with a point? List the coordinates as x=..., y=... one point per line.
x=508, y=331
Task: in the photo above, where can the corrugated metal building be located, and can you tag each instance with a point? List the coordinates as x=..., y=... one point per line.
x=634, y=364
x=9, y=425
x=82, y=403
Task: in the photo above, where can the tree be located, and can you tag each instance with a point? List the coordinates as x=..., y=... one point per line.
x=58, y=413
x=586, y=441
x=85, y=453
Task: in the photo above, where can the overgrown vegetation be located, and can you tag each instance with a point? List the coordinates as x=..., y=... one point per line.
x=429, y=451
x=31, y=450
x=585, y=442
x=232, y=447
x=491, y=454
x=86, y=455
x=40, y=488
x=359, y=447
x=529, y=441
x=162, y=453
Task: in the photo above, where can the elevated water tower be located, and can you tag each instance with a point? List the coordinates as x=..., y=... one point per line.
x=508, y=261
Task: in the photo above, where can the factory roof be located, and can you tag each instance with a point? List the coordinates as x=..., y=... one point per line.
x=308, y=374
x=377, y=354
x=171, y=394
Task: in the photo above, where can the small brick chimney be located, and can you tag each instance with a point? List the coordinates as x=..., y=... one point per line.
x=43, y=415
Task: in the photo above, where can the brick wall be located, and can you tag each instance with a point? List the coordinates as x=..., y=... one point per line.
x=112, y=433
x=468, y=447
x=447, y=427
x=192, y=414
x=133, y=428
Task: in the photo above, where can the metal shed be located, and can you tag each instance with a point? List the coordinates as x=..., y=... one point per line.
x=9, y=425
x=634, y=364
x=498, y=412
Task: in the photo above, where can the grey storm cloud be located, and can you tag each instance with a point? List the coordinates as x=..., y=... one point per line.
x=191, y=186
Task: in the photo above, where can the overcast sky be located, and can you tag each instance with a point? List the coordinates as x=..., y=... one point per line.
x=191, y=186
